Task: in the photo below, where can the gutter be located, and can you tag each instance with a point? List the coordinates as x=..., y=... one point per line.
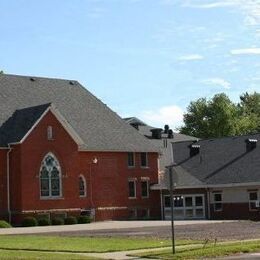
x=8, y=182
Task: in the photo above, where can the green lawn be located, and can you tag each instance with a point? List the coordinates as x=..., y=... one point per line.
x=211, y=250
x=83, y=244
x=25, y=255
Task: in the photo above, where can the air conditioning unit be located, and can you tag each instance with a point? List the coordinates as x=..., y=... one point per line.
x=257, y=204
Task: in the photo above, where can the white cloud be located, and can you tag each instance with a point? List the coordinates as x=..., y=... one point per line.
x=218, y=82
x=245, y=51
x=191, y=57
x=171, y=115
x=210, y=5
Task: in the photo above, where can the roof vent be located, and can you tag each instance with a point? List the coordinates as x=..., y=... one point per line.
x=250, y=144
x=194, y=149
x=156, y=133
x=32, y=79
x=170, y=134
x=72, y=83
x=135, y=125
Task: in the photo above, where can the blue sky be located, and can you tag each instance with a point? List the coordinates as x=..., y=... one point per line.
x=144, y=58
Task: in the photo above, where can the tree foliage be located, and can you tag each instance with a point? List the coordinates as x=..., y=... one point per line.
x=219, y=116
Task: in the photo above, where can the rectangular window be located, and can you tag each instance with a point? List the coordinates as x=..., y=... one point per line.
x=145, y=188
x=131, y=160
x=131, y=189
x=253, y=198
x=144, y=161
x=217, y=201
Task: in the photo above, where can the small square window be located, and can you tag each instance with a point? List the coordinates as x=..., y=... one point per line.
x=144, y=161
x=253, y=199
x=131, y=160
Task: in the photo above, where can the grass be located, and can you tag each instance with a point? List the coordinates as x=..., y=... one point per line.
x=25, y=255
x=83, y=244
x=211, y=250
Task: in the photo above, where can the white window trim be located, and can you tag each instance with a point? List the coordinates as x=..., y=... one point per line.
x=217, y=202
x=134, y=181
x=50, y=197
x=85, y=186
x=147, y=187
x=252, y=201
x=146, y=166
x=131, y=166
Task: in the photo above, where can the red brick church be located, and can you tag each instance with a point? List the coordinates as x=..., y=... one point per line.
x=64, y=152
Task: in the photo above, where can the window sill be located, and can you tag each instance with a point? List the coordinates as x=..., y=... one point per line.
x=132, y=198
x=83, y=196
x=51, y=198
x=131, y=167
x=144, y=167
x=146, y=197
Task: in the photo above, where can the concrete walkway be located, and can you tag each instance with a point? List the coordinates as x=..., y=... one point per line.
x=106, y=225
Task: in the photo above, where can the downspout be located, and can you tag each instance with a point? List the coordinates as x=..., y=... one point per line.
x=8, y=182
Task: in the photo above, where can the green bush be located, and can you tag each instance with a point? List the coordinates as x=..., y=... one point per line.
x=84, y=219
x=70, y=220
x=44, y=222
x=4, y=224
x=29, y=222
x=57, y=221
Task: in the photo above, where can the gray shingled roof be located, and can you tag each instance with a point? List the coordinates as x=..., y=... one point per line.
x=220, y=161
x=100, y=128
x=21, y=121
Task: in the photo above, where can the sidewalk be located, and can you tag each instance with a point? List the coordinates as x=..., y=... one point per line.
x=106, y=225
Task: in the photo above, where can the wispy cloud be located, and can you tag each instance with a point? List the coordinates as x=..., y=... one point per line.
x=191, y=57
x=217, y=82
x=251, y=51
x=209, y=5
x=172, y=115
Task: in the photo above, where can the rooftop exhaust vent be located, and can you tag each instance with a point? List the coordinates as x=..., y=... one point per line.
x=194, y=149
x=72, y=83
x=32, y=79
x=156, y=133
x=250, y=144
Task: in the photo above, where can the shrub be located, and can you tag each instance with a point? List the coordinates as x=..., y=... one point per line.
x=84, y=219
x=44, y=222
x=4, y=224
x=57, y=221
x=70, y=220
x=29, y=222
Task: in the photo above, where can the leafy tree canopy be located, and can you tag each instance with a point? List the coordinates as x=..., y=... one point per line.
x=219, y=116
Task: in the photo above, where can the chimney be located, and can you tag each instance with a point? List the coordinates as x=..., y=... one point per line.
x=250, y=144
x=156, y=133
x=194, y=149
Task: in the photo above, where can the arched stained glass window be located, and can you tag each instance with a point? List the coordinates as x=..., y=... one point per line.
x=82, y=186
x=50, y=177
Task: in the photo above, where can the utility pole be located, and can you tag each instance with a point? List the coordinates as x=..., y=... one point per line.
x=171, y=200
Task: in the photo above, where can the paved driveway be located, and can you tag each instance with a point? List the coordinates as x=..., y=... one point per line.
x=105, y=226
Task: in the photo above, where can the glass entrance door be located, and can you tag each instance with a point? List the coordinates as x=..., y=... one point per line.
x=185, y=206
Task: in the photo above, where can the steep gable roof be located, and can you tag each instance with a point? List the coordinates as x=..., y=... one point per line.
x=221, y=161
x=99, y=127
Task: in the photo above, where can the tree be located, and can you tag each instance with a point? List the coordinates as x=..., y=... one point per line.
x=250, y=108
x=219, y=116
x=1, y=72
